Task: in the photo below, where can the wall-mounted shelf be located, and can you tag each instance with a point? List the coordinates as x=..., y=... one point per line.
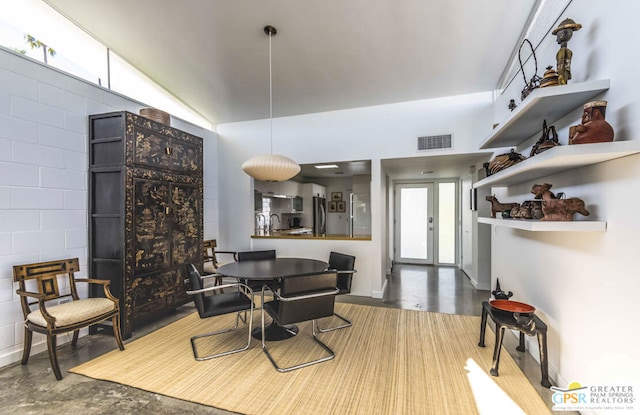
x=551, y=104
x=547, y=226
x=559, y=159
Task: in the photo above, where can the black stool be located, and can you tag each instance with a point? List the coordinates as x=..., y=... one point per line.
x=506, y=320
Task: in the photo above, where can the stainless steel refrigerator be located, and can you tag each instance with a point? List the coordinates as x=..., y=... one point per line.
x=319, y=215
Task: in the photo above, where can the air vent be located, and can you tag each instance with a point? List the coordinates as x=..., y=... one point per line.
x=434, y=142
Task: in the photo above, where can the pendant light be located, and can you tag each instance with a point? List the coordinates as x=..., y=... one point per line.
x=270, y=167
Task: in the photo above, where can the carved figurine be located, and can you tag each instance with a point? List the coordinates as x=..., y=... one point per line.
x=496, y=206
x=594, y=127
x=564, y=32
x=555, y=209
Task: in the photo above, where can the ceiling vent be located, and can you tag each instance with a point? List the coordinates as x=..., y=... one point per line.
x=434, y=142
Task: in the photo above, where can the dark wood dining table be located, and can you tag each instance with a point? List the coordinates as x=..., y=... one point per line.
x=269, y=270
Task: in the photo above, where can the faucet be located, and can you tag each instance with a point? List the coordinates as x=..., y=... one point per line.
x=264, y=221
x=271, y=222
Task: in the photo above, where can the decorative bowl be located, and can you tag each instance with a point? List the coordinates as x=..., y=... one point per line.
x=512, y=306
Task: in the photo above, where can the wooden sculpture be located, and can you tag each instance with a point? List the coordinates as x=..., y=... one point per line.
x=496, y=206
x=556, y=209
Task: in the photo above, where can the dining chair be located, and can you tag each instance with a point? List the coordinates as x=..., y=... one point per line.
x=343, y=264
x=255, y=256
x=211, y=259
x=298, y=299
x=49, y=311
x=239, y=300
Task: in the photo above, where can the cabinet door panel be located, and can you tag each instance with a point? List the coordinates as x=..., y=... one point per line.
x=185, y=244
x=151, y=219
x=184, y=157
x=151, y=149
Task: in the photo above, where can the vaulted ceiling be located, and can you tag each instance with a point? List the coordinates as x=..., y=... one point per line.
x=327, y=54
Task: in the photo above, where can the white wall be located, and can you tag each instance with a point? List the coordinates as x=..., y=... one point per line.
x=375, y=133
x=585, y=285
x=43, y=176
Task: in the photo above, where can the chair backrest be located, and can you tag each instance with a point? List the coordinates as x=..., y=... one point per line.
x=343, y=262
x=256, y=255
x=209, y=250
x=195, y=283
x=290, y=312
x=45, y=276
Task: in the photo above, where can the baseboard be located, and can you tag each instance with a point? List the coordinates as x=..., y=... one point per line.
x=379, y=294
x=479, y=286
x=39, y=344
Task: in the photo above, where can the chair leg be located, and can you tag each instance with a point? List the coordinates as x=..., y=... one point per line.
x=116, y=331
x=26, y=351
x=240, y=349
x=348, y=323
x=53, y=357
x=265, y=349
x=74, y=340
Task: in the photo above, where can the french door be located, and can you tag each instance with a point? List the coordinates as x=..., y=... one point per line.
x=414, y=223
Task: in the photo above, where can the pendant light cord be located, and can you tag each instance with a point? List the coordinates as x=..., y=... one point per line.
x=270, y=100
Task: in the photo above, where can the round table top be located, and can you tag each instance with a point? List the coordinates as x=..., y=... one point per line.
x=272, y=268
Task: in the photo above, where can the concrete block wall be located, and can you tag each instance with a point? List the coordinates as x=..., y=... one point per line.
x=43, y=176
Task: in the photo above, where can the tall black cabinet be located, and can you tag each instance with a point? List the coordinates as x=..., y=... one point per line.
x=145, y=212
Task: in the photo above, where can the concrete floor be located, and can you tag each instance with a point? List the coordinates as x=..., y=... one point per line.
x=32, y=389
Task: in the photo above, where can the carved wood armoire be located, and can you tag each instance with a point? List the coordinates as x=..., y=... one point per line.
x=145, y=212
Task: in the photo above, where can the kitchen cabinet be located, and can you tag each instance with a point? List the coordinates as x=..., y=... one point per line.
x=551, y=104
x=257, y=201
x=145, y=212
x=297, y=204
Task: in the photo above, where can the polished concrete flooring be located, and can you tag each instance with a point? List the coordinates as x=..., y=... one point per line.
x=32, y=389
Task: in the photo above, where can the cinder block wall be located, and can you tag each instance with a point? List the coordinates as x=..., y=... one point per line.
x=43, y=176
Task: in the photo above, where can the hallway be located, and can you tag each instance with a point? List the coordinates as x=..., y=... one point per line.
x=432, y=288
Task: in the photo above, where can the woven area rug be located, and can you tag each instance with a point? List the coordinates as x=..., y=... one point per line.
x=390, y=362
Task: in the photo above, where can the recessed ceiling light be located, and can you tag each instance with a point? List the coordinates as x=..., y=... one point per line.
x=426, y=172
x=326, y=166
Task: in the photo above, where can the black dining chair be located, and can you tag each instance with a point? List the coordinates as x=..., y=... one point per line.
x=298, y=299
x=344, y=265
x=255, y=256
x=236, y=301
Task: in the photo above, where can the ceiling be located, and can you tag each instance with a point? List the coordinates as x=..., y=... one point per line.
x=327, y=55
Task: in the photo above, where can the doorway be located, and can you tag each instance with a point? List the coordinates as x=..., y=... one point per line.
x=425, y=226
x=414, y=223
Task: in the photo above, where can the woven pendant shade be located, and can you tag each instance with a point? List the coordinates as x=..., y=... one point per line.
x=271, y=167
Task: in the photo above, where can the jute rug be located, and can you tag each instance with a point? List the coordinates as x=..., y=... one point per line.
x=390, y=362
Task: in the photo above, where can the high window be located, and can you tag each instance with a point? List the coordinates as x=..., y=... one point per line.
x=34, y=29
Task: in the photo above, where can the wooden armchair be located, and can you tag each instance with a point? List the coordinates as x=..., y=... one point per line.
x=211, y=263
x=46, y=310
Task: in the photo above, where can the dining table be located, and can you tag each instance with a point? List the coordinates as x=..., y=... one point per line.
x=269, y=270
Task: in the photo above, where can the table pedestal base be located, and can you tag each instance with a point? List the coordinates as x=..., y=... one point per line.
x=275, y=332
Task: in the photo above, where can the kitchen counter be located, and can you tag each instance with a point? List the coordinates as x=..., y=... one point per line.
x=282, y=235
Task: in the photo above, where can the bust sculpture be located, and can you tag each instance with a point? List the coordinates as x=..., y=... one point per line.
x=563, y=34
x=594, y=128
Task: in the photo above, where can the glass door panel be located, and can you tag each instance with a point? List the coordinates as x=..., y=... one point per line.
x=414, y=223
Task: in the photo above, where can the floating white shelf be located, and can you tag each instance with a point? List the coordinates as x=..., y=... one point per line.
x=559, y=159
x=551, y=104
x=547, y=226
